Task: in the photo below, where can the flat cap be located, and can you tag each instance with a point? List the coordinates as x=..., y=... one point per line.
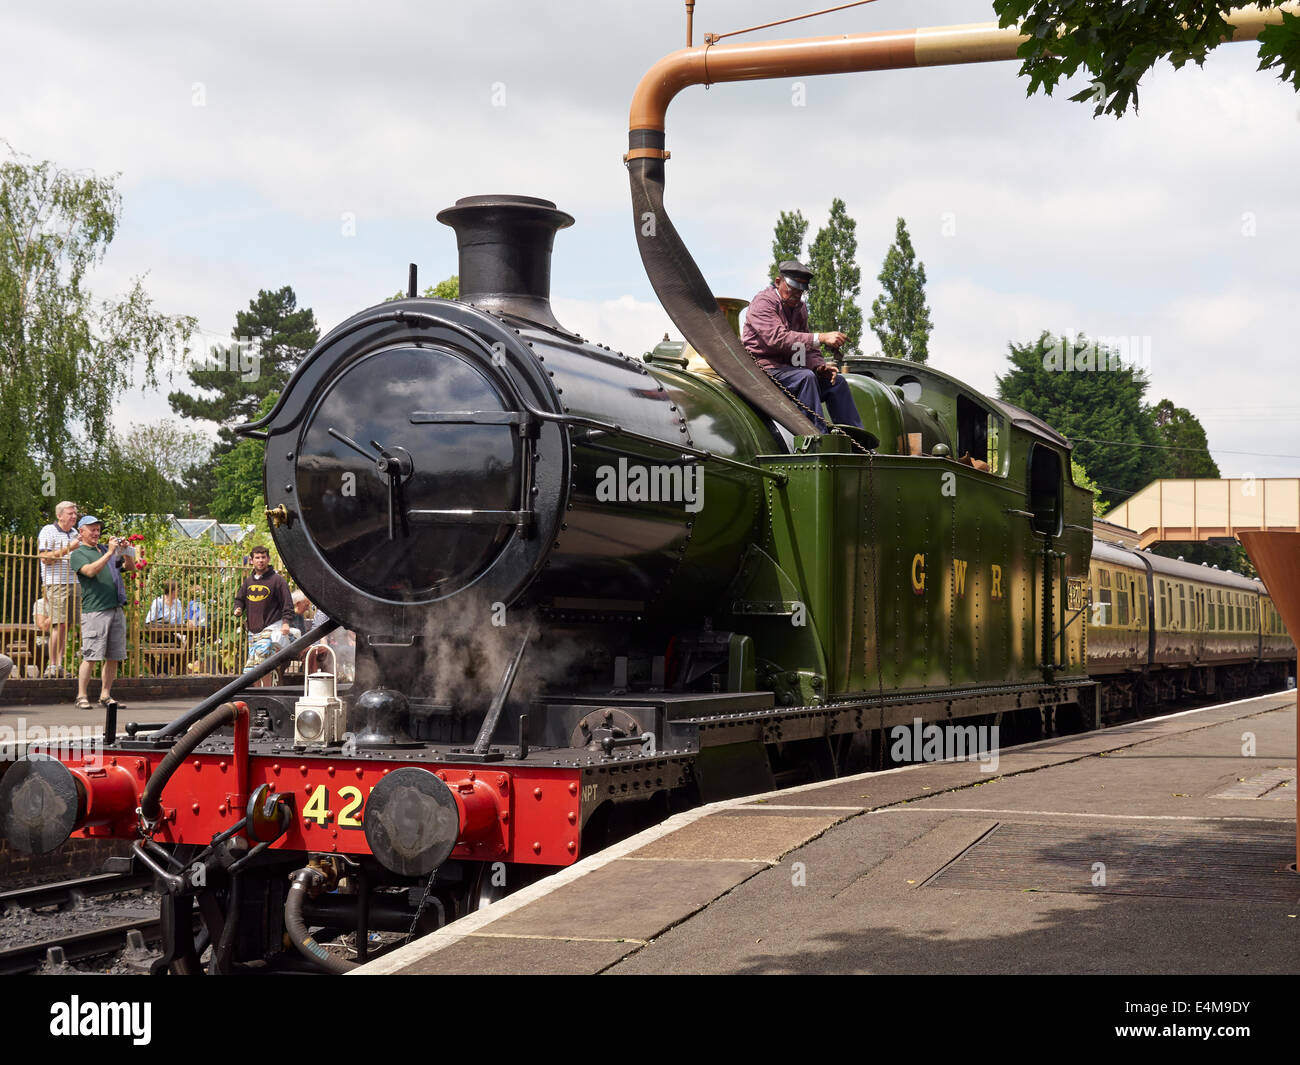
x=795, y=273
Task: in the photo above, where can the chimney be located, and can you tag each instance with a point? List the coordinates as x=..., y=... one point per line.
x=505, y=253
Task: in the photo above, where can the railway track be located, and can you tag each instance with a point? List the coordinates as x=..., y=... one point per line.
x=135, y=934
x=81, y=946
x=70, y=892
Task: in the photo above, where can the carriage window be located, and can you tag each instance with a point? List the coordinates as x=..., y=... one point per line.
x=1160, y=598
x=1223, y=619
x=1102, y=607
x=1182, y=606
x=1139, y=603
x=1121, y=603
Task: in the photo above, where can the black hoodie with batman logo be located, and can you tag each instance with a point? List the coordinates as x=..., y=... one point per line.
x=265, y=599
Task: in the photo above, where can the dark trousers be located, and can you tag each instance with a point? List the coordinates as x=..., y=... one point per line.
x=812, y=391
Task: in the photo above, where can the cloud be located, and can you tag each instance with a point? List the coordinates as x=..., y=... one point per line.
x=245, y=134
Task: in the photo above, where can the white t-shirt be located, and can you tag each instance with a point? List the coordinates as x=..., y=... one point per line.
x=52, y=538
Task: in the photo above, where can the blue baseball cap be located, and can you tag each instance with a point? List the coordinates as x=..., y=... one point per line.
x=89, y=519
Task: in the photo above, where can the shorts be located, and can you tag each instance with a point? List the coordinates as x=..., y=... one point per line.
x=103, y=635
x=62, y=601
x=262, y=645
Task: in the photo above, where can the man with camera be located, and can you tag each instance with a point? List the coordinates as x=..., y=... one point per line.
x=103, y=621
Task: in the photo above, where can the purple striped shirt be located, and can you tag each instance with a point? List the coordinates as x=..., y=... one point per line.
x=774, y=333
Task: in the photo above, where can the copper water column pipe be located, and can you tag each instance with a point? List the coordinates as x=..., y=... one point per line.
x=673, y=273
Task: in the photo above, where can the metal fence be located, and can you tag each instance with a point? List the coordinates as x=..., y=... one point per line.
x=179, y=618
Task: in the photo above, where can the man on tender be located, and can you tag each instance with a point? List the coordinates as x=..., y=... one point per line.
x=776, y=334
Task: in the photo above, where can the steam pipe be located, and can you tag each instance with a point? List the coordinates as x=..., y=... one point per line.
x=673, y=273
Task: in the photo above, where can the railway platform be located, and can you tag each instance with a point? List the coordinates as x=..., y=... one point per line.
x=1161, y=846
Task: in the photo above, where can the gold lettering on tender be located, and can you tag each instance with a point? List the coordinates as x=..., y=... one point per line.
x=959, y=576
x=997, y=582
x=918, y=574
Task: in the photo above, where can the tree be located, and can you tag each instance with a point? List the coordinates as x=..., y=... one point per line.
x=900, y=317
x=105, y=479
x=1117, y=43
x=238, y=474
x=836, y=279
x=446, y=289
x=787, y=239
x=273, y=336
x=1082, y=480
x=171, y=449
x=65, y=356
x=1187, y=450
x=1095, y=400
x=132, y=474
x=239, y=481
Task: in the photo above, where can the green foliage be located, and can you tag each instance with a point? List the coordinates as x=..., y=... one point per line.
x=1117, y=43
x=239, y=484
x=65, y=356
x=169, y=448
x=836, y=279
x=111, y=476
x=276, y=334
x=239, y=481
x=1187, y=453
x=787, y=239
x=900, y=317
x=1089, y=405
x=446, y=289
x=1082, y=479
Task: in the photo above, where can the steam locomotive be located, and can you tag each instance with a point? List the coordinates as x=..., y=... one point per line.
x=588, y=589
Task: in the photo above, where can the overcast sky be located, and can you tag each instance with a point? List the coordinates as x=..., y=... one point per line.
x=261, y=145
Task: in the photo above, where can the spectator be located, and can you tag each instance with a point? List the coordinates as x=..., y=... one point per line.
x=167, y=607
x=41, y=619
x=264, y=598
x=53, y=546
x=103, y=622
x=195, y=614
